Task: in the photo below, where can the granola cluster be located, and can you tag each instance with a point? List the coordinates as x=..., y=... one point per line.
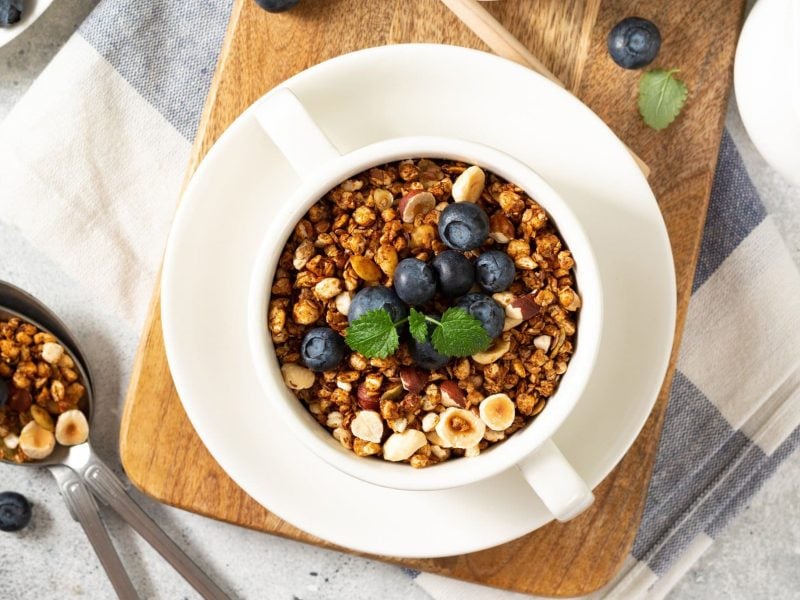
x=41, y=394
x=388, y=407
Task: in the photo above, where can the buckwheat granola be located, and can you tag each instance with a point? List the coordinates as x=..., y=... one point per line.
x=354, y=237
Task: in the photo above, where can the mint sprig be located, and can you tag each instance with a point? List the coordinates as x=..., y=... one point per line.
x=458, y=333
x=661, y=97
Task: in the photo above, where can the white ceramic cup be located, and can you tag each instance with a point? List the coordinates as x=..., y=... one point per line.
x=321, y=167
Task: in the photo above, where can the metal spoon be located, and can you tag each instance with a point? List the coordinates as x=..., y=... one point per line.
x=80, y=473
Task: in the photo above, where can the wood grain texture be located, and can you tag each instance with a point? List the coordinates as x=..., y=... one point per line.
x=161, y=452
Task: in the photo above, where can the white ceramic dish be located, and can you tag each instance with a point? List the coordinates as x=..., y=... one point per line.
x=322, y=167
x=33, y=10
x=238, y=189
x=767, y=82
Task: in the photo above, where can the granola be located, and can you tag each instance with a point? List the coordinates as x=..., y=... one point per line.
x=391, y=408
x=42, y=396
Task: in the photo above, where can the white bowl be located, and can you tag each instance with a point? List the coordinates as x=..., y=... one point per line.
x=322, y=168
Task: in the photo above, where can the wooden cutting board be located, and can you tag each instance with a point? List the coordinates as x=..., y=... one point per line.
x=161, y=452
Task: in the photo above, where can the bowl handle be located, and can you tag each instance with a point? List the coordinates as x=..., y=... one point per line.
x=556, y=482
x=287, y=122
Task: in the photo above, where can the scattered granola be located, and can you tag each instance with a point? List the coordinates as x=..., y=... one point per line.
x=41, y=394
x=384, y=404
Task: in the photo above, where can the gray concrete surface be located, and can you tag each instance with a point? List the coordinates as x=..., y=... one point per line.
x=758, y=556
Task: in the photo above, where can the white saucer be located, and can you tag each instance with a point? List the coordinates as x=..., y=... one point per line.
x=33, y=10
x=361, y=98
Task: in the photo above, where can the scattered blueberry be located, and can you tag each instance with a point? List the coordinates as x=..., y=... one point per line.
x=454, y=272
x=494, y=271
x=10, y=12
x=15, y=511
x=372, y=298
x=634, y=42
x=3, y=392
x=322, y=349
x=486, y=310
x=424, y=354
x=275, y=6
x=463, y=226
x=414, y=281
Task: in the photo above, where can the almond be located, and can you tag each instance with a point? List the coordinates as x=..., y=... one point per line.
x=415, y=202
x=501, y=229
x=414, y=380
x=468, y=187
x=523, y=307
x=542, y=342
x=452, y=395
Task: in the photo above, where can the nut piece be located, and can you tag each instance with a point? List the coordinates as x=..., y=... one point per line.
x=365, y=268
x=501, y=229
x=460, y=428
x=542, y=342
x=12, y=441
x=468, y=187
x=429, y=421
x=383, y=199
x=414, y=380
x=401, y=446
x=42, y=417
x=297, y=377
x=52, y=352
x=472, y=451
x=497, y=411
x=366, y=399
x=327, y=288
x=368, y=426
x=36, y=442
x=510, y=323
x=343, y=302
x=72, y=428
x=452, y=395
x=493, y=353
x=415, y=202
x=523, y=307
x=386, y=257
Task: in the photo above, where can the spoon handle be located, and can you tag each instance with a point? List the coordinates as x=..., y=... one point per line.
x=84, y=509
x=110, y=490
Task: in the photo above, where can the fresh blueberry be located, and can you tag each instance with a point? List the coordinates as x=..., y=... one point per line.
x=15, y=511
x=486, y=310
x=322, y=349
x=372, y=298
x=463, y=226
x=414, y=281
x=10, y=12
x=454, y=272
x=494, y=270
x=424, y=354
x=3, y=392
x=634, y=42
x=275, y=6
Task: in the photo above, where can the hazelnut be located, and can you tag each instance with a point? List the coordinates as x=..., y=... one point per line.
x=297, y=377
x=415, y=202
x=413, y=379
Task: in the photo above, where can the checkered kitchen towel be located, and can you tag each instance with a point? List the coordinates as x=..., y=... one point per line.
x=92, y=161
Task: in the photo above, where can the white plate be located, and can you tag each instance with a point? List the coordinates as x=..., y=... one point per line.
x=33, y=10
x=358, y=99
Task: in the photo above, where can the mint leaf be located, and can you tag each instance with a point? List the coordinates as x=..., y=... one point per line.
x=373, y=334
x=661, y=97
x=418, y=326
x=459, y=334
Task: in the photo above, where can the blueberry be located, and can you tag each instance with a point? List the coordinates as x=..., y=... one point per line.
x=486, y=310
x=424, y=354
x=275, y=6
x=10, y=12
x=322, y=349
x=634, y=42
x=3, y=392
x=414, y=281
x=15, y=511
x=454, y=272
x=372, y=298
x=463, y=226
x=494, y=270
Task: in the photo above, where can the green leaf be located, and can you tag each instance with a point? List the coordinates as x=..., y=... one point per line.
x=459, y=334
x=373, y=334
x=418, y=326
x=661, y=97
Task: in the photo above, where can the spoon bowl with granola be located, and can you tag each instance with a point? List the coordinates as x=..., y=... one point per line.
x=425, y=312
